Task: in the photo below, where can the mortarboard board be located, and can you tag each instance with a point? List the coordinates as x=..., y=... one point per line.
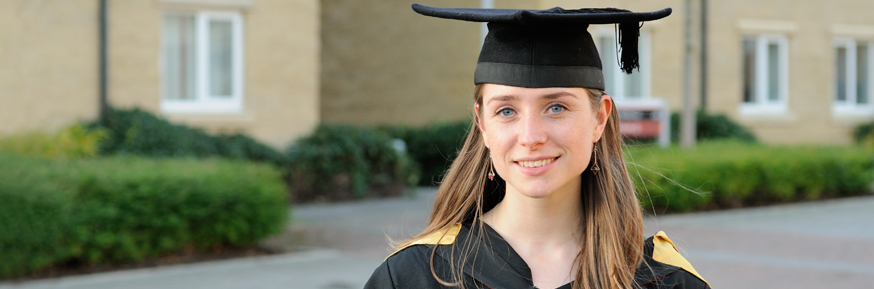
x=547, y=48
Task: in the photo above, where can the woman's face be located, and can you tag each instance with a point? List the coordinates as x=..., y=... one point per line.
x=540, y=139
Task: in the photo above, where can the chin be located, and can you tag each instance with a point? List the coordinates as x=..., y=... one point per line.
x=534, y=190
x=542, y=188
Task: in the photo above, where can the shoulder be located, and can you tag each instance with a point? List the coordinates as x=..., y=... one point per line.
x=410, y=266
x=664, y=267
x=444, y=236
x=406, y=269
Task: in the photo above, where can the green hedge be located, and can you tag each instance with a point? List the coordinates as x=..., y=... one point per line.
x=432, y=147
x=733, y=174
x=863, y=134
x=70, y=142
x=338, y=162
x=122, y=209
x=712, y=127
x=134, y=131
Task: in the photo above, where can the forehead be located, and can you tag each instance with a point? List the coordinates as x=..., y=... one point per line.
x=498, y=92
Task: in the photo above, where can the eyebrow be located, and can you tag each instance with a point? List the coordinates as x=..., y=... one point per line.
x=559, y=95
x=547, y=96
x=502, y=98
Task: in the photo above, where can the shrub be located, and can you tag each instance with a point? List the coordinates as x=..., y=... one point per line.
x=70, y=142
x=864, y=134
x=134, y=131
x=732, y=174
x=432, y=147
x=710, y=126
x=341, y=162
x=34, y=211
x=121, y=209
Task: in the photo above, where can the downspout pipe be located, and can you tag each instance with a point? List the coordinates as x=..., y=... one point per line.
x=703, y=61
x=102, y=85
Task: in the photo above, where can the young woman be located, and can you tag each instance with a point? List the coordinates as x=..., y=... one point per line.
x=539, y=196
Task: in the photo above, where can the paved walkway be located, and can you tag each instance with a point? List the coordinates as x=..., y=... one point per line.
x=826, y=244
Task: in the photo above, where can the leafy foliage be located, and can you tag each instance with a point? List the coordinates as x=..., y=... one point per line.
x=433, y=147
x=864, y=134
x=121, y=209
x=710, y=126
x=729, y=174
x=343, y=161
x=71, y=142
x=134, y=131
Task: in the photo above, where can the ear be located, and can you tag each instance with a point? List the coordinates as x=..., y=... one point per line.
x=601, y=117
x=479, y=124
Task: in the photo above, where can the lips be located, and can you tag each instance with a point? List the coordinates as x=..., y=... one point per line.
x=535, y=166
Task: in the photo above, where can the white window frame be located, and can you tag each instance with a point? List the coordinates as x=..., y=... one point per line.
x=849, y=106
x=203, y=102
x=618, y=76
x=761, y=104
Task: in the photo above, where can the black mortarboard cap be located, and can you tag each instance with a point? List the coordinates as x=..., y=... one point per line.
x=547, y=48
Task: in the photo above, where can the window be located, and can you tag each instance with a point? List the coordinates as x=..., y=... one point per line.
x=201, y=62
x=765, y=74
x=619, y=85
x=852, y=76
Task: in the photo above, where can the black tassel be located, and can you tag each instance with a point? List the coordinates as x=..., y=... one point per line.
x=628, y=34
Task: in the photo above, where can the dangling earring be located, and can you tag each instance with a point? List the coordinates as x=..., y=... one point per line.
x=595, y=167
x=491, y=169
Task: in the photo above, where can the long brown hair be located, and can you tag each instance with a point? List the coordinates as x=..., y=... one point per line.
x=612, y=226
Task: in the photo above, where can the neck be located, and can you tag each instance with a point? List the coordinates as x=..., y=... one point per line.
x=542, y=231
x=550, y=219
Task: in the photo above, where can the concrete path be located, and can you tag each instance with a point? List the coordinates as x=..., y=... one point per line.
x=826, y=244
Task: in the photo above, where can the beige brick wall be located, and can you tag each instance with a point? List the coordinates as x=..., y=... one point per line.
x=384, y=64
x=281, y=70
x=666, y=39
x=811, y=65
x=380, y=63
x=810, y=119
x=416, y=70
x=48, y=64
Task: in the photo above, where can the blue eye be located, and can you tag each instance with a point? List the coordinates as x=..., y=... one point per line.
x=506, y=112
x=556, y=108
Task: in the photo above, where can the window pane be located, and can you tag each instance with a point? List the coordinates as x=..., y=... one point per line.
x=179, y=47
x=608, y=62
x=633, y=85
x=749, y=69
x=773, y=72
x=862, y=74
x=220, y=58
x=841, y=74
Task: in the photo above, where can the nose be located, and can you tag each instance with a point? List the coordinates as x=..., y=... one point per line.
x=533, y=132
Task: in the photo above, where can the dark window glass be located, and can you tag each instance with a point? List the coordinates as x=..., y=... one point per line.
x=862, y=74
x=749, y=69
x=841, y=74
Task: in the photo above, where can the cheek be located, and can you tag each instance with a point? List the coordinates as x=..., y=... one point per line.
x=496, y=138
x=582, y=130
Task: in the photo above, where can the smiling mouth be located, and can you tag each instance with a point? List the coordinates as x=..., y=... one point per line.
x=535, y=164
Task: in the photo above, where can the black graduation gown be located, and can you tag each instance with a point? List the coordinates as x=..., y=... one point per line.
x=496, y=265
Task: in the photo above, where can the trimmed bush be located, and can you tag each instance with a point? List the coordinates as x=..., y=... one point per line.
x=134, y=131
x=72, y=141
x=432, y=147
x=863, y=134
x=733, y=174
x=712, y=127
x=122, y=209
x=338, y=162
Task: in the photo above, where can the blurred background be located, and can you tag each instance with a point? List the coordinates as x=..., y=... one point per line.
x=276, y=143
